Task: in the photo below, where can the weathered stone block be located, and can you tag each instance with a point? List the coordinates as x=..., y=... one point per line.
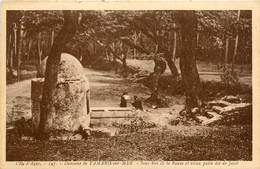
x=231, y=99
x=220, y=103
x=69, y=109
x=36, y=96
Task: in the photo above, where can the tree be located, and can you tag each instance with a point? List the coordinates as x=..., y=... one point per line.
x=68, y=30
x=10, y=49
x=174, y=44
x=123, y=25
x=159, y=68
x=226, y=54
x=15, y=20
x=224, y=26
x=19, y=55
x=23, y=28
x=189, y=72
x=157, y=25
x=236, y=43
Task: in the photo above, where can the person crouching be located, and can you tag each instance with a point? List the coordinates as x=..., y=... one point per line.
x=137, y=103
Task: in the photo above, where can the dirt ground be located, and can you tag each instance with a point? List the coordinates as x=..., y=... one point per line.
x=106, y=89
x=158, y=140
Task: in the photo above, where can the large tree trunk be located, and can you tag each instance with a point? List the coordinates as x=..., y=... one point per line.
x=68, y=30
x=189, y=72
x=191, y=80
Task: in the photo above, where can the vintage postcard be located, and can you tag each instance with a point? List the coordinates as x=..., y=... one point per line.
x=130, y=84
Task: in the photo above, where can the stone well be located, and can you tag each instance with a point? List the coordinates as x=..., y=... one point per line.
x=69, y=110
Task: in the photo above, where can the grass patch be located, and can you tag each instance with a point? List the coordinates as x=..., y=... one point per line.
x=179, y=143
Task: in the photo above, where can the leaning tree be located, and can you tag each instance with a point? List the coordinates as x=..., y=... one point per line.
x=65, y=34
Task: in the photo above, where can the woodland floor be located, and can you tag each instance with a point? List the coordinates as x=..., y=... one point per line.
x=159, y=142
x=208, y=71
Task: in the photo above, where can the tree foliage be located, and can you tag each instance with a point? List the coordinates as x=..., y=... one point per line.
x=118, y=35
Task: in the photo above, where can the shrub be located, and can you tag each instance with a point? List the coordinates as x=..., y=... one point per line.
x=136, y=124
x=229, y=77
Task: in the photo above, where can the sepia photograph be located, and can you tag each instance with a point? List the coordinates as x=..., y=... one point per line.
x=128, y=85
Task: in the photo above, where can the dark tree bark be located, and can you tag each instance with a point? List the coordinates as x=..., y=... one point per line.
x=113, y=48
x=159, y=68
x=236, y=44
x=124, y=60
x=52, y=36
x=226, y=55
x=24, y=50
x=11, y=60
x=68, y=30
x=10, y=56
x=135, y=42
x=19, y=54
x=171, y=64
x=189, y=72
x=15, y=40
x=47, y=48
x=162, y=49
x=198, y=38
x=29, y=48
x=39, y=45
x=174, y=44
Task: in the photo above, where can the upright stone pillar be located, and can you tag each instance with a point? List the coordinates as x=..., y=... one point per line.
x=69, y=110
